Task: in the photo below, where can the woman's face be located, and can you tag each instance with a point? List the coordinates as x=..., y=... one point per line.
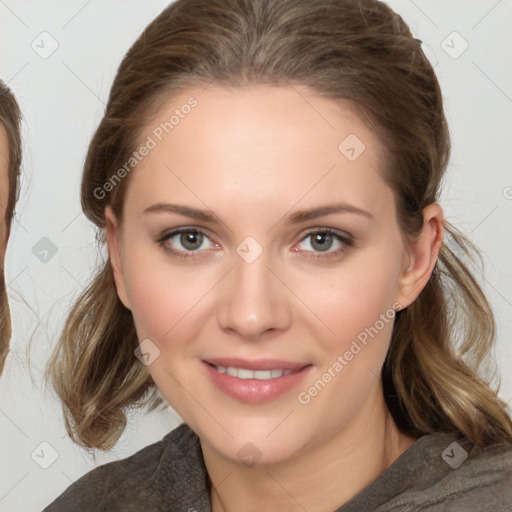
x=228, y=258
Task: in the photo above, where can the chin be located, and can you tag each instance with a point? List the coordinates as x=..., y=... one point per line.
x=251, y=440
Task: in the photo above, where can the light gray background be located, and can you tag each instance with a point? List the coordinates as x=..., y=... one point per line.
x=62, y=98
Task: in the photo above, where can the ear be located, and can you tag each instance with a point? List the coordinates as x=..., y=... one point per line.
x=113, y=235
x=423, y=255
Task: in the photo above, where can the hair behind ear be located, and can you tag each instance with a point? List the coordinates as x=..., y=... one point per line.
x=439, y=342
x=93, y=367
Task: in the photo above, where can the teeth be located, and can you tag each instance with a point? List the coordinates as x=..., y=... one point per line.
x=244, y=373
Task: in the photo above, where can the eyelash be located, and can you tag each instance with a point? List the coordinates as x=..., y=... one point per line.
x=346, y=240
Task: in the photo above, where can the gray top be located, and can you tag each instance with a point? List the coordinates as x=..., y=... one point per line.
x=439, y=472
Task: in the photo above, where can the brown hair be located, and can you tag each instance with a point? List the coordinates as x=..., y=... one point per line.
x=10, y=121
x=355, y=51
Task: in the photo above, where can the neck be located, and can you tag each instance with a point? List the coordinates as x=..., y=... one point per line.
x=321, y=479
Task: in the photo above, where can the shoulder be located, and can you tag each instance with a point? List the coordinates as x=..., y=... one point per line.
x=453, y=475
x=442, y=472
x=146, y=480
x=477, y=479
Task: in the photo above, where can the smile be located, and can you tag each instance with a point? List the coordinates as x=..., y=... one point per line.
x=244, y=373
x=264, y=381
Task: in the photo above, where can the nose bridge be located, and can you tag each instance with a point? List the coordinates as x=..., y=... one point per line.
x=253, y=300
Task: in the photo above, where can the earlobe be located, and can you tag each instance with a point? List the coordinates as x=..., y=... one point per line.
x=423, y=256
x=114, y=252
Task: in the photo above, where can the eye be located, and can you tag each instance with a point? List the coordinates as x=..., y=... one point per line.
x=190, y=242
x=321, y=241
x=186, y=242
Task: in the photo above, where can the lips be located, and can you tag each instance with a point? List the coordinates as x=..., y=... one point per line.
x=255, y=381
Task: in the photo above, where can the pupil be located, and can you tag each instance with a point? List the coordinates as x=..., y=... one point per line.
x=191, y=240
x=321, y=239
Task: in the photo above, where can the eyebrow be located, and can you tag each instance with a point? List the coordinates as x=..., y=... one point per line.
x=296, y=218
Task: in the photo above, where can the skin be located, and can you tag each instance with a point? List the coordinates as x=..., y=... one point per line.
x=253, y=157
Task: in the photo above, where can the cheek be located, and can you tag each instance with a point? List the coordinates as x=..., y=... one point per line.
x=162, y=295
x=354, y=300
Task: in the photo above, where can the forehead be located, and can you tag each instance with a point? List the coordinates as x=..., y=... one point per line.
x=258, y=142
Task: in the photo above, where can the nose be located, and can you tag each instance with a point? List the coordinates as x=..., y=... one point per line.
x=254, y=301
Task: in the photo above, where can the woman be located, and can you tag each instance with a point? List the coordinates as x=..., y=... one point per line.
x=10, y=163
x=280, y=272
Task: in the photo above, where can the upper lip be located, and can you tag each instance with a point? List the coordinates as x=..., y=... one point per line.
x=255, y=364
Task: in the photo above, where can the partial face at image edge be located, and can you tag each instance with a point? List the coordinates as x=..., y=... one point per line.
x=5, y=324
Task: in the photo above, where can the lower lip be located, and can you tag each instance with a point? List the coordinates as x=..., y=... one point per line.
x=255, y=391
